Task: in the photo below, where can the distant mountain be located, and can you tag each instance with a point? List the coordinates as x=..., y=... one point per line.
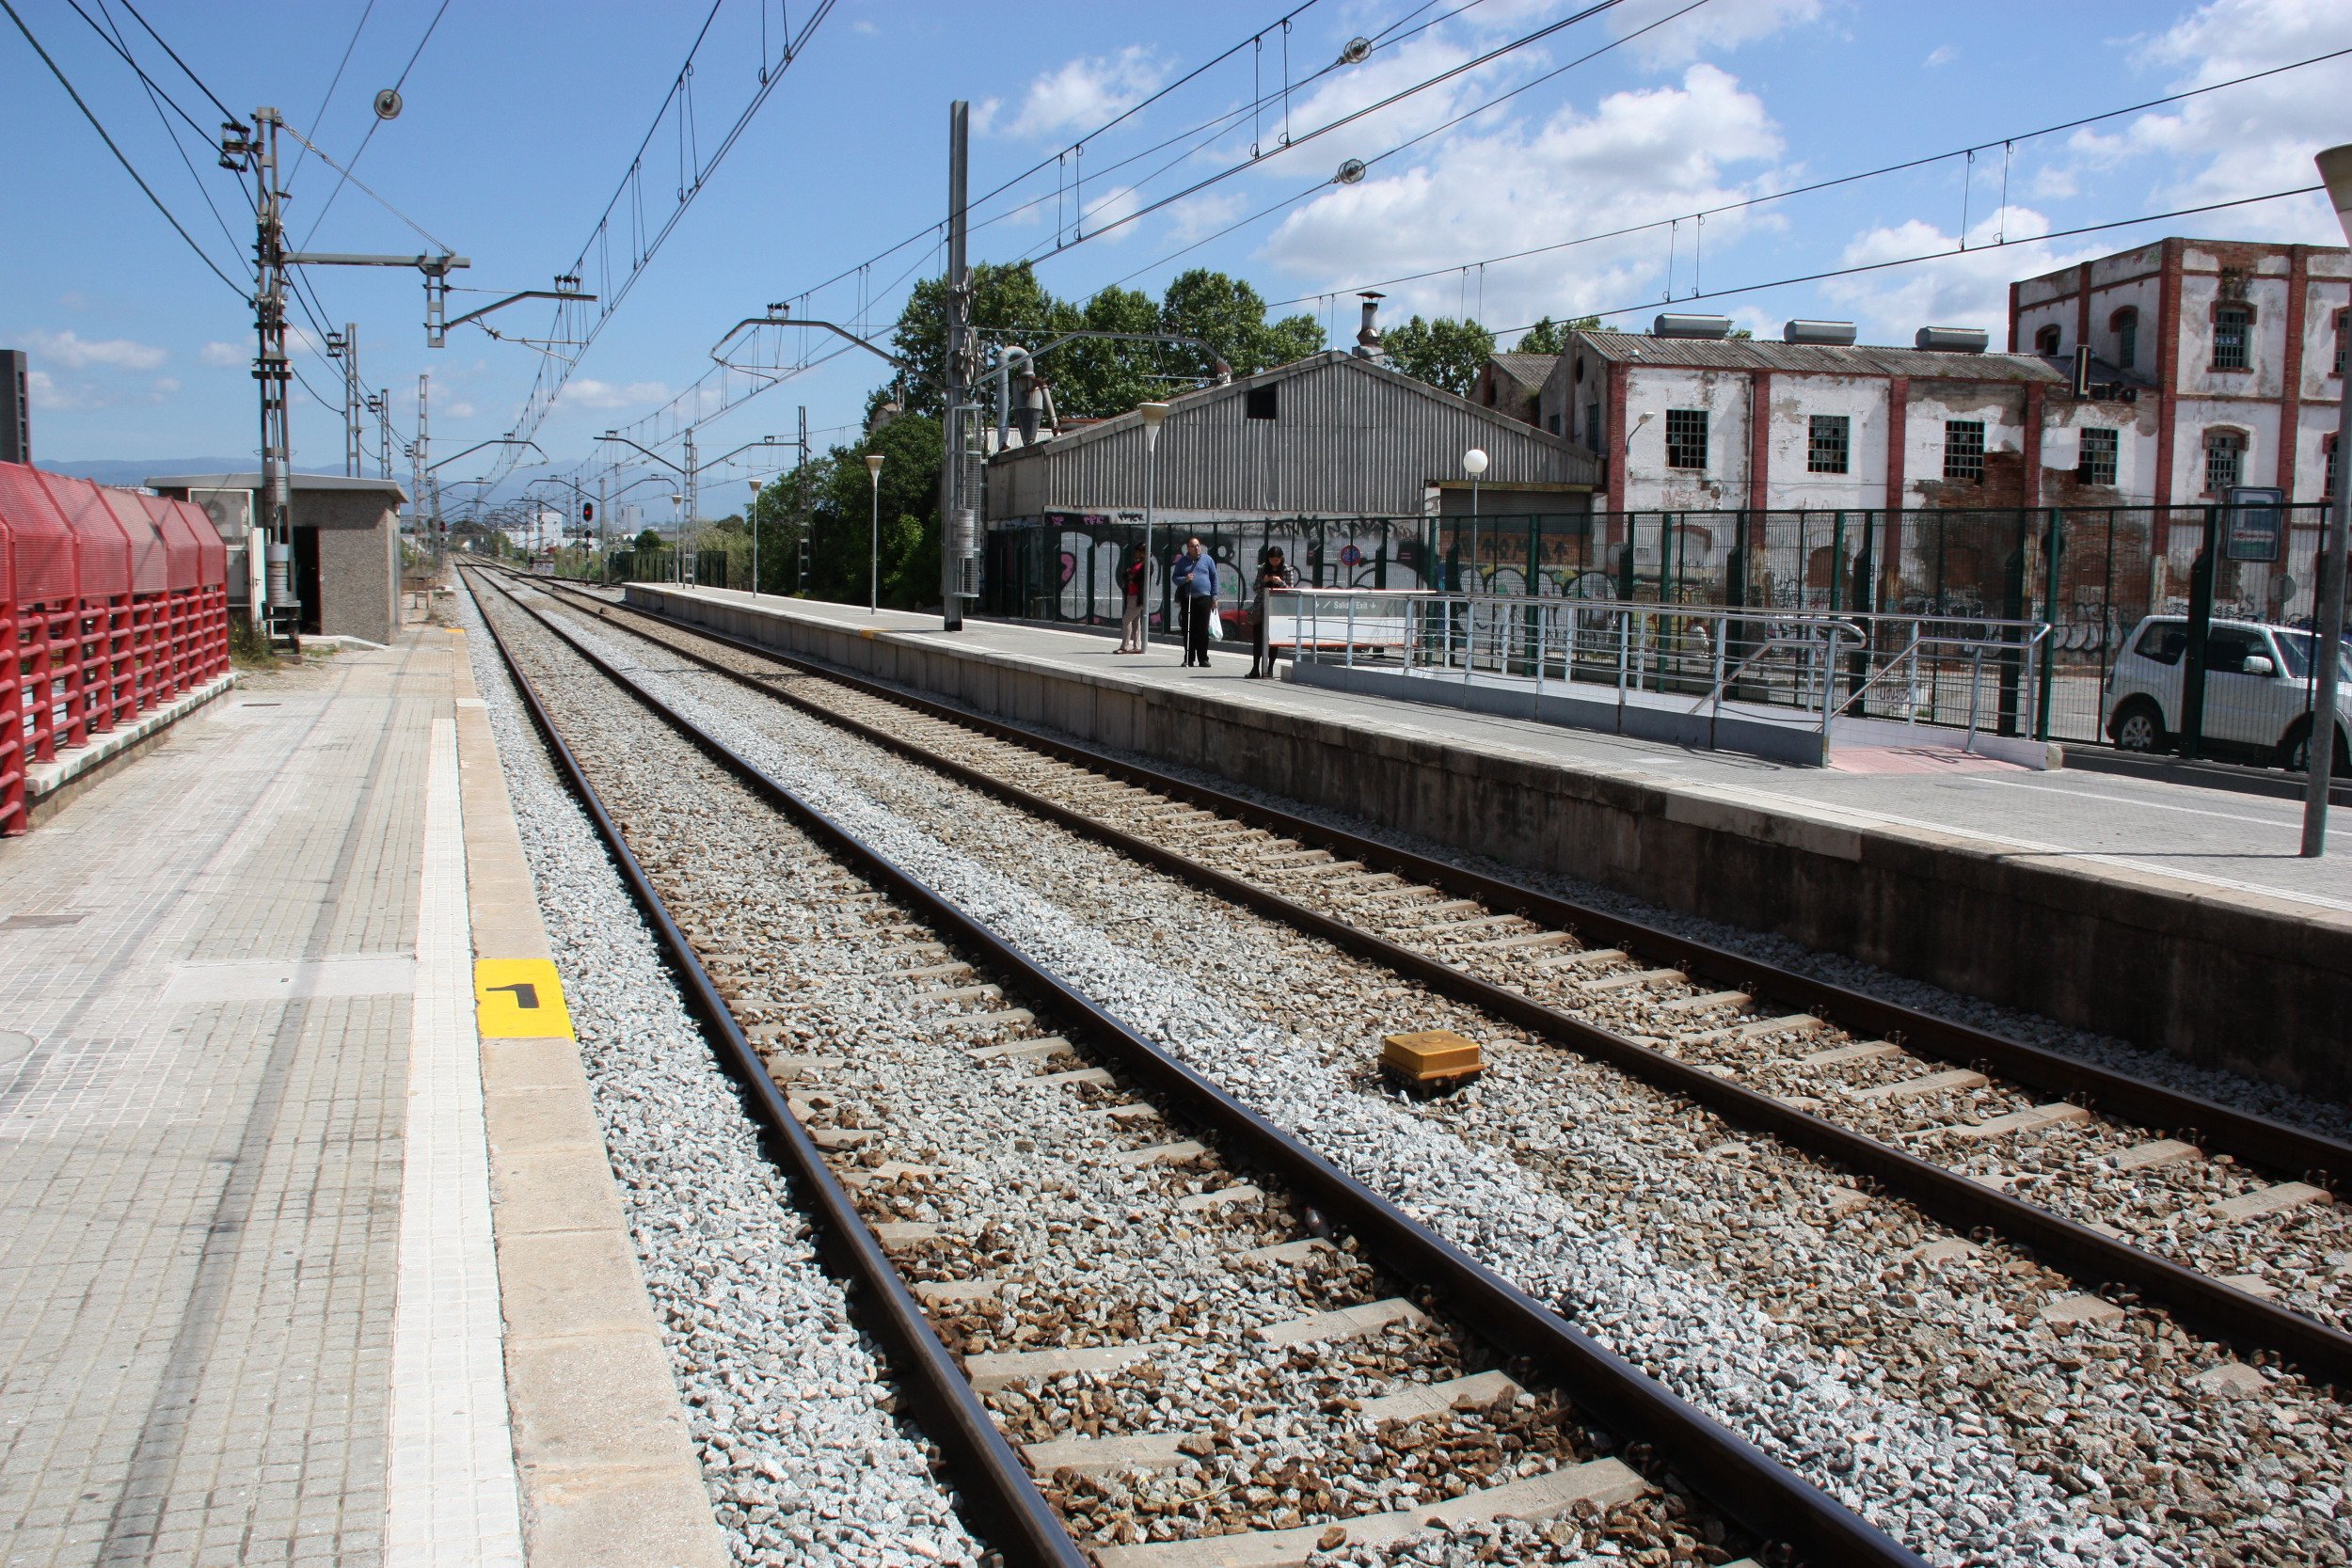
x=134, y=471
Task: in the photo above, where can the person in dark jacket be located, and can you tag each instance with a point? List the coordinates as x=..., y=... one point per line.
x=1273, y=572
x=1196, y=594
x=1134, y=623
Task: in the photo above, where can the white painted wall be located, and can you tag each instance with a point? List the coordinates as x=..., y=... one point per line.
x=1649, y=484
x=1794, y=400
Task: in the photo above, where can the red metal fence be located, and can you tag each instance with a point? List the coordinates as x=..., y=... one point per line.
x=112, y=602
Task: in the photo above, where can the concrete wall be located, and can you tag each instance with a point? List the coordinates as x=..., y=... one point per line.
x=2229, y=980
x=358, y=539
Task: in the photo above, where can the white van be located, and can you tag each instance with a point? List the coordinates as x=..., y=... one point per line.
x=2258, y=693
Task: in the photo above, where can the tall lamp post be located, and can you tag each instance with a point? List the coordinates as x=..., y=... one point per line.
x=2319, y=752
x=1474, y=464
x=751, y=516
x=1154, y=415
x=873, y=555
x=677, y=534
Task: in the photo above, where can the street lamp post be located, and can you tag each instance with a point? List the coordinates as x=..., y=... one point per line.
x=751, y=516
x=873, y=558
x=2319, y=750
x=677, y=534
x=1155, y=414
x=1474, y=464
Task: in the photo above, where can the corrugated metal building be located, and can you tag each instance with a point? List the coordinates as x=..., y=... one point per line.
x=1331, y=435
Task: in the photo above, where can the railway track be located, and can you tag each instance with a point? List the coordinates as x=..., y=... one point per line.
x=1132, y=1312
x=2137, y=1191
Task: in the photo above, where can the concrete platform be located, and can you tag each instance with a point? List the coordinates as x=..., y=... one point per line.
x=2162, y=914
x=284, y=1277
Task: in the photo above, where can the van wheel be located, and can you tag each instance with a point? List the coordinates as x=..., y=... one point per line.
x=2138, y=726
x=2296, y=753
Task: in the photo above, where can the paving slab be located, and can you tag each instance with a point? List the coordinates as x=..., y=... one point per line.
x=253, y=1281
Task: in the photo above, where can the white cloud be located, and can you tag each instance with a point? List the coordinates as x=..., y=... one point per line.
x=586, y=391
x=78, y=353
x=1105, y=210
x=1715, y=28
x=226, y=356
x=48, y=394
x=2238, y=141
x=1960, y=289
x=1079, y=95
x=162, y=388
x=460, y=410
x=1942, y=54
x=1639, y=156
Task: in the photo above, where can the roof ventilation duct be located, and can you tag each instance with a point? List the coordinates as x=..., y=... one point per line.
x=1674, y=323
x=1826, y=333
x=1954, y=339
x=1368, y=335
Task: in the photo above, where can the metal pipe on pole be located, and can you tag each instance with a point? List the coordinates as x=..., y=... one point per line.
x=2335, y=168
x=873, y=564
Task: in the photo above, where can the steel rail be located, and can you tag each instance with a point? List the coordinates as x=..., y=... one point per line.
x=2100, y=1262
x=1003, y=1503
x=2258, y=1140
x=1723, y=1468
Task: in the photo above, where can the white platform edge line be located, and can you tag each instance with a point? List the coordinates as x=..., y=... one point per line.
x=451, y=1494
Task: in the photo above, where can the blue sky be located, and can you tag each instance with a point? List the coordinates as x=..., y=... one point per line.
x=520, y=120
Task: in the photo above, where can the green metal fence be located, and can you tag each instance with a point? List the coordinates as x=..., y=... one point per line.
x=2091, y=573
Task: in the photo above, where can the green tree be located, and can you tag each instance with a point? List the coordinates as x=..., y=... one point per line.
x=1550, y=336
x=839, y=498
x=1229, y=316
x=649, y=540
x=1445, y=353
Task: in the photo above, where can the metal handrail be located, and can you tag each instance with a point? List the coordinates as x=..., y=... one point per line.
x=1427, y=630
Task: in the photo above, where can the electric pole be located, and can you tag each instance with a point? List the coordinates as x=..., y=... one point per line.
x=257, y=150
x=423, y=473
x=353, y=400
x=692, y=500
x=380, y=405
x=957, y=524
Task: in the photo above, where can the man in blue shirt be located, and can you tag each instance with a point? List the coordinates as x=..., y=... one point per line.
x=1196, y=598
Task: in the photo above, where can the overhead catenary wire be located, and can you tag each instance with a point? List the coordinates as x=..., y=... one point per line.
x=1857, y=268
x=335, y=81
x=159, y=98
x=1900, y=166
x=1323, y=184
x=1219, y=122
x=236, y=287
x=430, y=29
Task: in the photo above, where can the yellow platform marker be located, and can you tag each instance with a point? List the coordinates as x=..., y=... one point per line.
x=519, y=999
x=1432, y=1057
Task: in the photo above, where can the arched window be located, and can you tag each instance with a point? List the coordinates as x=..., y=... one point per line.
x=2225, y=460
x=2046, y=340
x=2124, y=324
x=2343, y=330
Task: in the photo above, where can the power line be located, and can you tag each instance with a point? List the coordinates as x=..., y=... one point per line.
x=364, y=189
x=1354, y=115
x=1948, y=255
x=158, y=98
x=555, y=371
x=1817, y=185
x=227, y=113
x=335, y=81
x=414, y=54
x=1324, y=184
x=233, y=286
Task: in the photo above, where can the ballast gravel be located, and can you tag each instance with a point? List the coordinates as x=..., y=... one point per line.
x=803, y=1464
x=1952, y=1488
